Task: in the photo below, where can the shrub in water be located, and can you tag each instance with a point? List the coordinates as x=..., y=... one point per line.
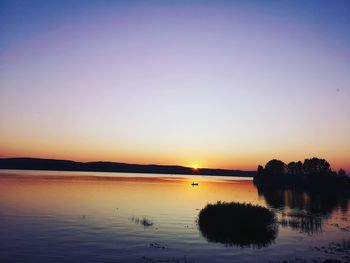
x=238, y=224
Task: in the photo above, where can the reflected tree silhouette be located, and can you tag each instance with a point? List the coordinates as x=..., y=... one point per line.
x=304, y=209
x=302, y=222
x=306, y=193
x=316, y=201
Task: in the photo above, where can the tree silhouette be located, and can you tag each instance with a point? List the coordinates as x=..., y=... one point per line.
x=261, y=170
x=295, y=168
x=316, y=166
x=275, y=167
x=313, y=173
x=341, y=173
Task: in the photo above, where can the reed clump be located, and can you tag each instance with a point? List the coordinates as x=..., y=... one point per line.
x=238, y=224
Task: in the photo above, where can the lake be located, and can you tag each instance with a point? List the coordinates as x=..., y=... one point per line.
x=48, y=216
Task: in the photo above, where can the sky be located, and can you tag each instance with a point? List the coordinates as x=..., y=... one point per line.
x=217, y=84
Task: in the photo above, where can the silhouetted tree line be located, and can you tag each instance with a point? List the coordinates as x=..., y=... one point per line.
x=311, y=171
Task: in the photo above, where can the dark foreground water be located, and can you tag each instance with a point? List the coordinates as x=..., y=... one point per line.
x=111, y=217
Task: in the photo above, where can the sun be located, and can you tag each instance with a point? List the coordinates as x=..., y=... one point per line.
x=195, y=167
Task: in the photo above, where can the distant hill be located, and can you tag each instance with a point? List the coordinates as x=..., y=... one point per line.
x=64, y=165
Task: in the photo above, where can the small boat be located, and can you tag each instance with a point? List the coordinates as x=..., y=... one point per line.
x=194, y=184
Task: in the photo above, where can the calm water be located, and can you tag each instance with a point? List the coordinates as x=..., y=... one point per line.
x=113, y=217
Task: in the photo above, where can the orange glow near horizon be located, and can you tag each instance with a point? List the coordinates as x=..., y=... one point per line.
x=195, y=167
x=85, y=146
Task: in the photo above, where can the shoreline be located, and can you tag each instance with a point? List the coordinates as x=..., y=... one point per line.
x=114, y=167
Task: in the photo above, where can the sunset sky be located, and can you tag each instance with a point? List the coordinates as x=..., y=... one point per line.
x=219, y=84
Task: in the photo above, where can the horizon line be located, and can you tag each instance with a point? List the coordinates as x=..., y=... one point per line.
x=149, y=164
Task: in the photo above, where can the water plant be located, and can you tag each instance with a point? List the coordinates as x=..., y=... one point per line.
x=238, y=224
x=143, y=221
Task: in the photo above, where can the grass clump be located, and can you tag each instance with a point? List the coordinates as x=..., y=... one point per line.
x=238, y=224
x=142, y=221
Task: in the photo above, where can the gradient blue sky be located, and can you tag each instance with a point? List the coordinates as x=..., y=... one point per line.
x=226, y=84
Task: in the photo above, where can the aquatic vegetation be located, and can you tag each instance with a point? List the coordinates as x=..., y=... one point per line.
x=237, y=224
x=143, y=221
x=158, y=245
x=146, y=222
